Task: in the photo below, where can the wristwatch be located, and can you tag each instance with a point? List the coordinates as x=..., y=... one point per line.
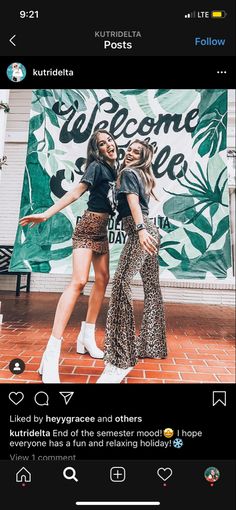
x=140, y=226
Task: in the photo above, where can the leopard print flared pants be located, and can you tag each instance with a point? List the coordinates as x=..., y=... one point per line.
x=122, y=346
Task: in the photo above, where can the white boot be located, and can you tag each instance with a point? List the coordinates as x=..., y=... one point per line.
x=49, y=366
x=80, y=339
x=86, y=341
x=113, y=374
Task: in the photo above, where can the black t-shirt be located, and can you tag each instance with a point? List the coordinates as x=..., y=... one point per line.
x=100, y=178
x=131, y=182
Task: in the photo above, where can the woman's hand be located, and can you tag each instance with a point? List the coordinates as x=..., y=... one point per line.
x=33, y=219
x=147, y=241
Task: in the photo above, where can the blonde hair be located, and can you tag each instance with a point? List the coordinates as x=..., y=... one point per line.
x=143, y=166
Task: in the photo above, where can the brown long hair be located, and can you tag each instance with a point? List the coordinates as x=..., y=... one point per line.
x=144, y=166
x=93, y=153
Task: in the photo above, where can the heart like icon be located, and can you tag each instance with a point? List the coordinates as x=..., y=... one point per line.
x=164, y=473
x=16, y=397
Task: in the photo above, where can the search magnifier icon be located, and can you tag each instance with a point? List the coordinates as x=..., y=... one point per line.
x=70, y=474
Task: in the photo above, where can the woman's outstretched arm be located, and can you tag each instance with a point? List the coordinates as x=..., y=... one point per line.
x=69, y=197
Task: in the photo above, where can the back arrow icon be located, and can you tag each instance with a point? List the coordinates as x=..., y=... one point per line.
x=11, y=40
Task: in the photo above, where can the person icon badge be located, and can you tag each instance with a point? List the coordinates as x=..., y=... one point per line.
x=17, y=366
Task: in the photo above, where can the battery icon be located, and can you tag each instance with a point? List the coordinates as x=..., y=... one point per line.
x=218, y=14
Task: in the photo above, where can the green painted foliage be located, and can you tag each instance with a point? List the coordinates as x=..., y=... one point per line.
x=210, y=132
x=195, y=204
x=197, y=240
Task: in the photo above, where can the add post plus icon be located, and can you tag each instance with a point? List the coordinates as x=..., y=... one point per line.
x=117, y=474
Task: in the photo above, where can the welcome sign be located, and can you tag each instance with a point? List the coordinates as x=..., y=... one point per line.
x=187, y=129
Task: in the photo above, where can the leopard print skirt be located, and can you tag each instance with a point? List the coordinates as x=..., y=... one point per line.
x=91, y=232
x=122, y=346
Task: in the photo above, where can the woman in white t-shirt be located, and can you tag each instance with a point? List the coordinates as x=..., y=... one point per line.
x=17, y=73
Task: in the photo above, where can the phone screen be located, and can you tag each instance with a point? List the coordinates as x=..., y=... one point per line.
x=117, y=256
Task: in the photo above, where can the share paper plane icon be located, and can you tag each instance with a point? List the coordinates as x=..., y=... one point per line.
x=66, y=395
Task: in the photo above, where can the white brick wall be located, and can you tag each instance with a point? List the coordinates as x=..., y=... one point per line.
x=231, y=118
x=10, y=191
x=10, y=194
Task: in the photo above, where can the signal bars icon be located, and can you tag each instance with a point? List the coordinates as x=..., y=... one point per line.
x=190, y=14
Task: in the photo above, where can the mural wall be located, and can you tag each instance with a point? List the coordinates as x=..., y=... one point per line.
x=187, y=129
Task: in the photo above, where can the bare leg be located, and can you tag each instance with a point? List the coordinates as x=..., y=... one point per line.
x=82, y=258
x=101, y=269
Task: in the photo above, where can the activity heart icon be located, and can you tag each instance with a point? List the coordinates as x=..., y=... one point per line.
x=164, y=473
x=16, y=397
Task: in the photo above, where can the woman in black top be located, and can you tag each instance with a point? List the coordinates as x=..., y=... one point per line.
x=90, y=245
x=122, y=348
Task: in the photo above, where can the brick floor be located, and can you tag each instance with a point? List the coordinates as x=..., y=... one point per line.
x=200, y=342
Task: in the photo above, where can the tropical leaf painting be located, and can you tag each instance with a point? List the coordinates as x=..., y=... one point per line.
x=188, y=131
x=210, y=134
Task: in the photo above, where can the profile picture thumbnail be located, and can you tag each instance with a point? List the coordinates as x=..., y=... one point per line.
x=212, y=474
x=16, y=72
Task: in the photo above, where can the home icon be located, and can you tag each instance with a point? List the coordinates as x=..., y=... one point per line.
x=23, y=476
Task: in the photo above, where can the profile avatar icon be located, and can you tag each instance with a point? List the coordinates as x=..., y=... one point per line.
x=17, y=366
x=16, y=72
x=212, y=474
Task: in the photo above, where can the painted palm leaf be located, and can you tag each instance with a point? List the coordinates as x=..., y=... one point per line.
x=202, y=190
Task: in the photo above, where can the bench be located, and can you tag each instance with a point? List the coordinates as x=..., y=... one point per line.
x=5, y=257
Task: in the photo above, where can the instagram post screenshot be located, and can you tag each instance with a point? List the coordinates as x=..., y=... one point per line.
x=117, y=256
